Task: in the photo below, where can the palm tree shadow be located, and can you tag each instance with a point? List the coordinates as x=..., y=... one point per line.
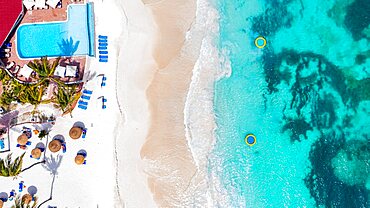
x=68, y=47
x=52, y=164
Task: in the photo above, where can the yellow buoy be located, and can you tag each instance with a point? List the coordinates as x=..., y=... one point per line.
x=250, y=140
x=258, y=39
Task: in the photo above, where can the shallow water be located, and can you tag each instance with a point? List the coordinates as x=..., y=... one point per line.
x=305, y=96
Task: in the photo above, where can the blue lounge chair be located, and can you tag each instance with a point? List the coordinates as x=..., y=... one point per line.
x=82, y=102
x=102, y=48
x=104, y=78
x=21, y=186
x=103, y=44
x=103, y=40
x=103, y=56
x=103, y=52
x=86, y=97
x=103, y=60
x=103, y=37
x=84, y=133
x=83, y=107
x=103, y=84
x=103, y=106
x=104, y=100
x=85, y=91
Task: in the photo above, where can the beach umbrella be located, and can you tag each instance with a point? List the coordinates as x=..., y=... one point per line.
x=27, y=198
x=79, y=159
x=55, y=145
x=75, y=132
x=36, y=153
x=22, y=139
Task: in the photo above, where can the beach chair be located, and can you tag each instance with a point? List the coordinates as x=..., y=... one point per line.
x=103, y=84
x=103, y=106
x=86, y=97
x=104, y=100
x=103, y=37
x=82, y=102
x=104, y=79
x=103, y=60
x=10, y=65
x=102, y=48
x=5, y=50
x=84, y=131
x=103, y=44
x=103, y=56
x=88, y=92
x=83, y=107
x=2, y=145
x=103, y=52
x=103, y=40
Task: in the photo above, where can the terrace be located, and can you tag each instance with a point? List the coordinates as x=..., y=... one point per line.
x=15, y=63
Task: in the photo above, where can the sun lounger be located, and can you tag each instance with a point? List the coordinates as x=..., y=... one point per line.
x=85, y=91
x=103, y=56
x=104, y=79
x=103, y=40
x=5, y=50
x=103, y=60
x=5, y=55
x=103, y=106
x=84, y=133
x=86, y=97
x=102, y=48
x=103, y=37
x=103, y=52
x=103, y=44
x=104, y=100
x=2, y=145
x=10, y=65
x=82, y=102
x=83, y=107
x=103, y=84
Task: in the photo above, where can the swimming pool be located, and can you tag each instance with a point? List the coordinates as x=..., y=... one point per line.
x=71, y=38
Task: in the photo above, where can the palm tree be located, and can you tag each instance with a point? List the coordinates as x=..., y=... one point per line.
x=43, y=68
x=65, y=97
x=21, y=203
x=9, y=168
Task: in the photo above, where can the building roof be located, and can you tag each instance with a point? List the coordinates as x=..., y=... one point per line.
x=10, y=11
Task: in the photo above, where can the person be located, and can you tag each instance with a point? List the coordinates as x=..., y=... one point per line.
x=21, y=186
x=12, y=194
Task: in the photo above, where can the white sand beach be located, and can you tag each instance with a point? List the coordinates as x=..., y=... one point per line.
x=138, y=152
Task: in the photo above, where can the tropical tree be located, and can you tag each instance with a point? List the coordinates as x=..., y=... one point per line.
x=65, y=97
x=32, y=94
x=43, y=68
x=9, y=168
x=22, y=203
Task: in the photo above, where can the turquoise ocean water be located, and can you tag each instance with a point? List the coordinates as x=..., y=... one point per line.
x=305, y=96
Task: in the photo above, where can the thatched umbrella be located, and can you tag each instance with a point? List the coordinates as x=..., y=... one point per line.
x=27, y=198
x=75, y=132
x=36, y=153
x=79, y=159
x=55, y=145
x=22, y=139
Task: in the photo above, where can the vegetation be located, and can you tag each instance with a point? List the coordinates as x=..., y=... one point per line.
x=65, y=97
x=14, y=91
x=9, y=168
x=22, y=203
x=43, y=133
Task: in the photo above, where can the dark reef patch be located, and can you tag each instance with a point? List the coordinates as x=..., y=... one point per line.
x=358, y=18
x=275, y=17
x=324, y=185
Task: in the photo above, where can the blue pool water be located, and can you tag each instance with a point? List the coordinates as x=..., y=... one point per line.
x=306, y=98
x=73, y=37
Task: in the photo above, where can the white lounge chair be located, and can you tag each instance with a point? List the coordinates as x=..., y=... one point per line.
x=53, y=3
x=29, y=4
x=10, y=65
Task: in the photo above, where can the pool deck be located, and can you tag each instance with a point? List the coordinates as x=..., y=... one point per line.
x=46, y=15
